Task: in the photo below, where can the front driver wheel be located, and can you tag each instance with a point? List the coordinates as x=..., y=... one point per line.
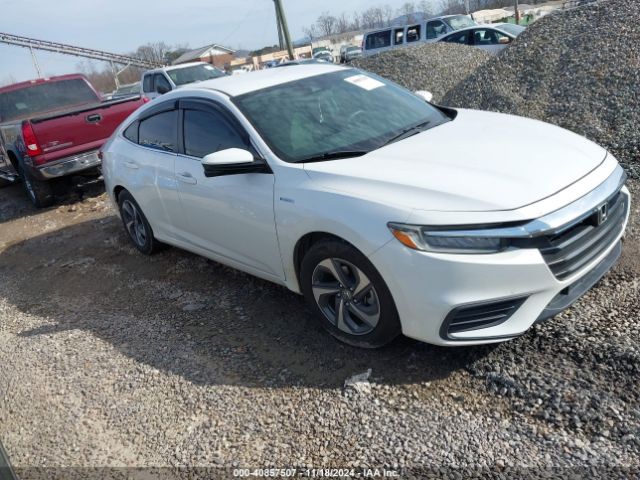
x=350, y=296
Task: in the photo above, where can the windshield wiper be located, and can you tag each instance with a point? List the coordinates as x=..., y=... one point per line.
x=334, y=155
x=407, y=132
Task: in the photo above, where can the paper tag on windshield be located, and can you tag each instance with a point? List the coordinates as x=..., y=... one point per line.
x=365, y=82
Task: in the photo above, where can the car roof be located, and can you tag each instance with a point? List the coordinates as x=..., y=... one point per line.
x=236, y=85
x=176, y=67
x=481, y=26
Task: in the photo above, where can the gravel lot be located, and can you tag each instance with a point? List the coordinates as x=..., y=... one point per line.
x=110, y=358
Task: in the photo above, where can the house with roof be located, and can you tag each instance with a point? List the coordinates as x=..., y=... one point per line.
x=214, y=54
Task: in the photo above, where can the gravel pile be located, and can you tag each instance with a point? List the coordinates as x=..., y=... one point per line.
x=579, y=69
x=435, y=67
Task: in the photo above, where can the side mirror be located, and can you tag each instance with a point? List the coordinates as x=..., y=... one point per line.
x=232, y=161
x=504, y=40
x=162, y=89
x=423, y=94
x=230, y=156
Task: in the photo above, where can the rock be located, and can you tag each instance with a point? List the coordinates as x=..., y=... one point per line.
x=359, y=383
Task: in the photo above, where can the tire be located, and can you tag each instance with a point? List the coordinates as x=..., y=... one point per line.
x=336, y=278
x=40, y=193
x=136, y=225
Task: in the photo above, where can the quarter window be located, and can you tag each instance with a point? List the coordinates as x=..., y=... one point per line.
x=131, y=133
x=160, y=131
x=208, y=132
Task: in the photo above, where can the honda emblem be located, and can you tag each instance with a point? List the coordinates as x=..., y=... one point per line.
x=603, y=213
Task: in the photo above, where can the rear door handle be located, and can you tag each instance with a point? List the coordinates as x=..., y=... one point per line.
x=186, y=177
x=132, y=165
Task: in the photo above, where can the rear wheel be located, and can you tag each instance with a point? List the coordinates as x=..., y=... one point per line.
x=40, y=193
x=350, y=296
x=136, y=225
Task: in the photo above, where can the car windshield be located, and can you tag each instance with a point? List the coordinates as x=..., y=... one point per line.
x=511, y=28
x=197, y=73
x=459, y=21
x=353, y=49
x=344, y=111
x=44, y=97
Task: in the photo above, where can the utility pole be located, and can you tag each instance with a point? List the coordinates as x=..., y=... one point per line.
x=282, y=23
x=35, y=62
x=517, y=14
x=280, y=37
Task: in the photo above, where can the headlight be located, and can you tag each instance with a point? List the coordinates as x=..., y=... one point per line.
x=447, y=241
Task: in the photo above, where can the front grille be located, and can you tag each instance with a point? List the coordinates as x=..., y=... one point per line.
x=570, y=250
x=480, y=315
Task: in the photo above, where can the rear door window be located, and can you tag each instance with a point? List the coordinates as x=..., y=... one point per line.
x=378, y=40
x=460, y=37
x=160, y=131
x=488, y=36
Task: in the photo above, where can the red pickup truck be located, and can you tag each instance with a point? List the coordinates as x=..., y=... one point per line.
x=54, y=127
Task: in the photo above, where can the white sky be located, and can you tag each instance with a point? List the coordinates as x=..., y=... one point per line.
x=120, y=26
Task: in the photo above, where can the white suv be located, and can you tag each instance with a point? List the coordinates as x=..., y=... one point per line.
x=159, y=81
x=388, y=213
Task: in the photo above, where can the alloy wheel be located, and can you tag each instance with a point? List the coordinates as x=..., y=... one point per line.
x=133, y=223
x=346, y=296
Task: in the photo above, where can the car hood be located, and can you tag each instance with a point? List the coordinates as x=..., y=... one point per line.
x=480, y=161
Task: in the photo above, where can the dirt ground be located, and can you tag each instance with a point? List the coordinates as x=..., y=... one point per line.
x=110, y=358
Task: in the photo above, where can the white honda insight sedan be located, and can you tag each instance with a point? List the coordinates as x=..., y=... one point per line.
x=391, y=215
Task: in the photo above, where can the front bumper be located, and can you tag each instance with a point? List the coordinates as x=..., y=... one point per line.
x=428, y=287
x=66, y=166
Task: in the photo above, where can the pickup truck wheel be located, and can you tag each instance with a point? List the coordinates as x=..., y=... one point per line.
x=40, y=193
x=136, y=225
x=351, y=298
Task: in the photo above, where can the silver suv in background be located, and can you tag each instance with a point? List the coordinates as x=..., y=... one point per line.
x=159, y=81
x=399, y=36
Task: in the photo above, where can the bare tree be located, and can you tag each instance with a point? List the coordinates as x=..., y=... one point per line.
x=343, y=24
x=326, y=23
x=311, y=32
x=425, y=8
x=451, y=6
x=407, y=9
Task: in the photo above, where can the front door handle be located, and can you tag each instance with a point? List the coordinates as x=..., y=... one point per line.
x=132, y=165
x=186, y=177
